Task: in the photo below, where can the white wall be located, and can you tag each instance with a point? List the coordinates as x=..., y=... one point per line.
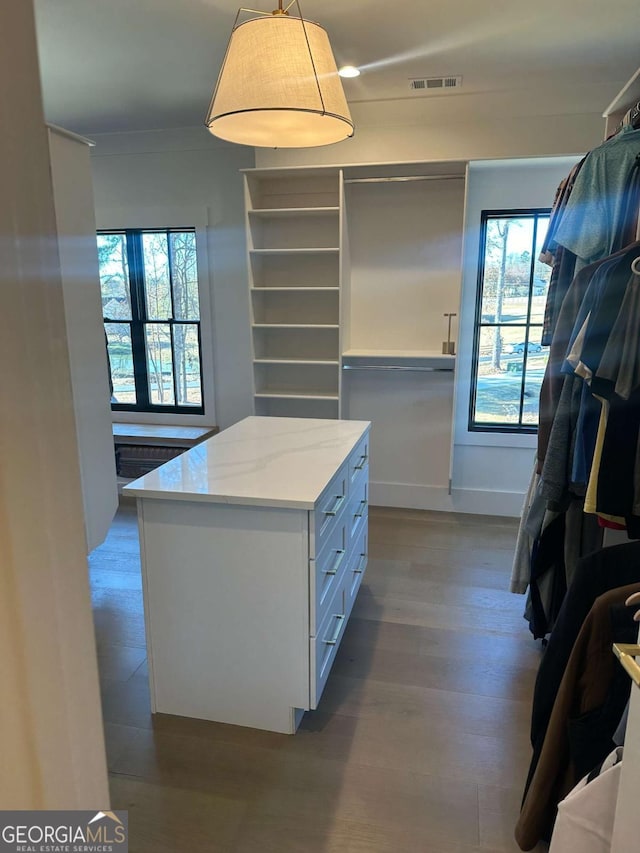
x=460, y=127
x=405, y=247
x=145, y=178
x=51, y=738
x=493, y=470
x=75, y=222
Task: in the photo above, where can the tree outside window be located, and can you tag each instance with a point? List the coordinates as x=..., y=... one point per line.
x=509, y=360
x=151, y=312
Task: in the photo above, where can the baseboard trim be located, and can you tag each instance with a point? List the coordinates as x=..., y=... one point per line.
x=438, y=499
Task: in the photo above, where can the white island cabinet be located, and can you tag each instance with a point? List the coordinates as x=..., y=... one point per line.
x=253, y=547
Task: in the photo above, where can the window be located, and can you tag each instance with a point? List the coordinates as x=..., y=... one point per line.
x=509, y=360
x=151, y=311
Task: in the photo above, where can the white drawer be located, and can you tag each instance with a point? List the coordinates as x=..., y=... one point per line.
x=326, y=573
x=326, y=515
x=359, y=460
x=324, y=647
x=357, y=566
x=358, y=508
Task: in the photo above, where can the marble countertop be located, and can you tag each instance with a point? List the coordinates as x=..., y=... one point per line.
x=280, y=462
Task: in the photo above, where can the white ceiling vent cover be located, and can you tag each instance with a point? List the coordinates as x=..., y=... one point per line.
x=434, y=84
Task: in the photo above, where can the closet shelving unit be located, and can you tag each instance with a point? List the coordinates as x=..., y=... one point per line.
x=311, y=313
x=294, y=248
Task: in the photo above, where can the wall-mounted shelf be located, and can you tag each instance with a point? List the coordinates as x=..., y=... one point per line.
x=320, y=250
x=318, y=362
x=626, y=98
x=400, y=358
x=294, y=289
x=293, y=326
x=294, y=395
x=277, y=212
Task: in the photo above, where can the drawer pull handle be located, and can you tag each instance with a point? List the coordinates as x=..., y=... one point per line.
x=336, y=565
x=361, y=565
x=334, y=509
x=361, y=463
x=339, y=619
x=361, y=509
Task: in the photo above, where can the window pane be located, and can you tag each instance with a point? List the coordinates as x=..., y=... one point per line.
x=121, y=361
x=159, y=365
x=184, y=272
x=187, y=350
x=536, y=364
x=507, y=270
x=541, y=275
x=114, y=276
x=499, y=377
x=157, y=286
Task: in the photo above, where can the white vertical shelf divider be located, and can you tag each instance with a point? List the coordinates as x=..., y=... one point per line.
x=249, y=260
x=344, y=279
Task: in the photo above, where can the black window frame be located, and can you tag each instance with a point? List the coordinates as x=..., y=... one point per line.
x=139, y=319
x=500, y=427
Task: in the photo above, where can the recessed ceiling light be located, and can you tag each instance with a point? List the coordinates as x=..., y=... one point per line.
x=349, y=71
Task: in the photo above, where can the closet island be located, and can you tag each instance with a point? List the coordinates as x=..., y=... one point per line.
x=253, y=547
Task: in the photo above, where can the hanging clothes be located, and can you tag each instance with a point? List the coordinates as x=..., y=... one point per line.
x=596, y=317
x=596, y=574
x=594, y=223
x=586, y=712
x=586, y=815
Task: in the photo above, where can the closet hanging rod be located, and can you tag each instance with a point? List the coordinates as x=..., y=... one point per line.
x=415, y=369
x=404, y=178
x=627, y=654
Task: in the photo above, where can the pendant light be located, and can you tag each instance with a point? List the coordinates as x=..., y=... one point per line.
x=279, y=85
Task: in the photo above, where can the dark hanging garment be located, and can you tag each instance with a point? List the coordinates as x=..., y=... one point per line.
x=562, y=274
x=587, y=703
x=615, y=492
x=595, y=574
x=554, y=378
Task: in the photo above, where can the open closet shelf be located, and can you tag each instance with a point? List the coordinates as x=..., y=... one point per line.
x=417, y=358
x=320, y=250
x=274, y=212
x=294, y=326
x=395, y=353
x=297, y=395
x=294, y=289
x=313, y=361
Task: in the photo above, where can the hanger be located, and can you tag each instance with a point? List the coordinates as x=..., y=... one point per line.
x=631, y=601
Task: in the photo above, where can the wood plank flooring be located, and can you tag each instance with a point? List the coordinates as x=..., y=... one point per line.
x=420, y=743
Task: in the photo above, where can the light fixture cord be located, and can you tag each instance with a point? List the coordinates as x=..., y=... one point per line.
x=313, y=65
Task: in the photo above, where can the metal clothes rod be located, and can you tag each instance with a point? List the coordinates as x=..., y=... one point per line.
x=397, y=367
x=404, y=178
x=69, y=134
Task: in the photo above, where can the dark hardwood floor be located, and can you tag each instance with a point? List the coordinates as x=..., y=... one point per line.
x=420, y=743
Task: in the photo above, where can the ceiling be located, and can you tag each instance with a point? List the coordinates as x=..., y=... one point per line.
x=114, y=65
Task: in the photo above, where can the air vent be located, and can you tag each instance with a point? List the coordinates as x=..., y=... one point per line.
x=434, y=84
